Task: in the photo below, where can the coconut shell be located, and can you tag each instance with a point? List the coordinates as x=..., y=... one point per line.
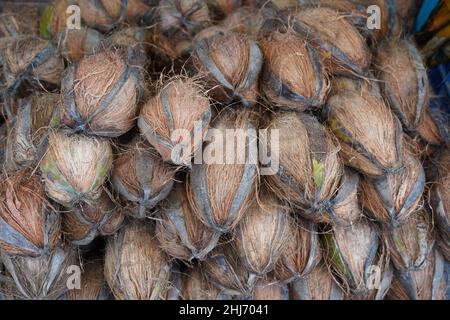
x=141, y=178
x=29, y=225
x=41, y=278
x=270, y=289
x=230, y=64
x=352, y=252
x=179, y=108
x=301, y=254
x=391, y=199
x=75, y=167
x=19, y=18
x=85, y=221
x=369, y=134
x=179, y=231
x=309, y=171
x=74, y=44
x=28, y=137
x=427, y=283
x=317, y=285
x=99, y=95
x=221, y=8
x=135, y=267
x=31, y=58
x=341, y=46
x=196, y=286
x=222, y=187
x=404, y=81
x=293, y=75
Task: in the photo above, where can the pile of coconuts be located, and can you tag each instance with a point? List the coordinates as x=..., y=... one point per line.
x=96, y=177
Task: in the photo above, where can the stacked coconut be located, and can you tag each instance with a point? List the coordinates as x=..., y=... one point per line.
x=125, y=175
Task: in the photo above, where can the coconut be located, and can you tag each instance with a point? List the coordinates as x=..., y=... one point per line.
x=54, y=18
x=238, y=21
x=176, y=120
x=404, y=81
x=270, y=289
x=196, y=286
x=427, y=283
x=179, y=231
x=29, y=225
x=135, y=267
x=392, y=198
x=74, y=44
x=301, y=254
x=341, y=46
x=93, y=285
x=19, y=18
x=167, y=49
x=28, y=137
x=41, y=278
x=309, y=171
x=262, y=234
x=141, y=178
x=319, y=284
x=230, y=64
x=432, y=131
x=222, y=185
x=99, y=95
x=75, y=167
x=370, y=135
x=222, y=8
x=360, y=259
x=82, y=223
x=225, y=270
x=30, y=58
x=134, y=38
x=293, y=76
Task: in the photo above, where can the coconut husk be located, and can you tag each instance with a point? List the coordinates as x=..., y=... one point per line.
x=275, y=5
x=40, y=278
x=293, y=76
x=309, y=170
x=141, y=178
x=225, y=270
x=30, y=58
x=404, y=81
x=427, y=283
x=238, y=21
x=3, y=138
x=319, y=284
x=222, y=185
x=75, y=167
x=179, y=231
x=230, y=64
x=343, y=49
x=134, y=38
x=392, y=198
x=28, y=137
x=359, y=258
x=74, y=44
x=369, y=134
x=19, y=18
x=167, y=49
x=85, y=221
x=269, y=288
x=220, y=9
x=301, y=254
x=99, y=95
x=196, y=286
x=172, y=120
x=135, y=267
x=432, y=131
x=262, y=234
x=29, y=225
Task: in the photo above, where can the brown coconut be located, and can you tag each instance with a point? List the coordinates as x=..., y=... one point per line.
x=176, y=120
x=30, y=58
x=99, y=95
x=230, y=64
x=75, y=167
x=432, y=132
x=222, y=8
x=404, y=81
x=82, y=223
x=269, y=288
x=29, y=225
x=427, y=283
x=301, y=254
x=28, y=137
x=222, y=185
x=74, y=44
x=342, y=47
x=293, y=76
x=19, y=18
x=41, y=278
x=317, y=285
x=135, y=267
x=134, y=39
x=262, y=234
x=179, y=231
x=309, y=171
x=238, y=21
x=392, y=198
x=369, y=134
x=359, y=257
x=141, y=178
x=196, y=286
